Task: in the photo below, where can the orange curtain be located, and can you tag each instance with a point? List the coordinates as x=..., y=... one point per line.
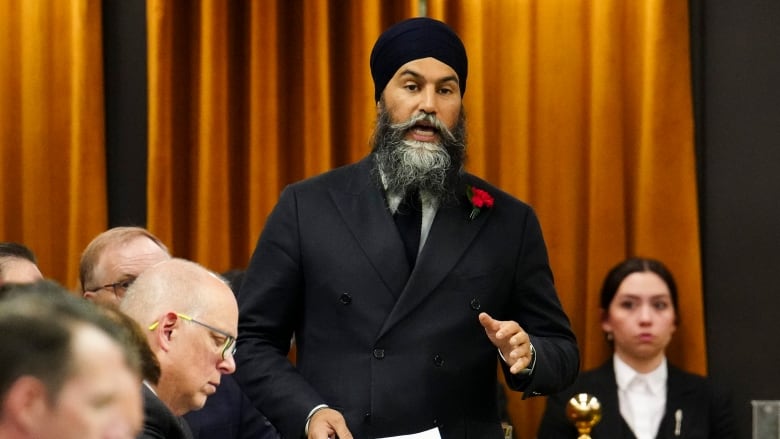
x=244, y=98
x=582, y=108
x=52, y=160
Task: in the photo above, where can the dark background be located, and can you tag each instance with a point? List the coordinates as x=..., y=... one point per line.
x=735, y=53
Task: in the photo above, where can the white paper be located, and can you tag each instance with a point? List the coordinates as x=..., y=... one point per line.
x=433, y=433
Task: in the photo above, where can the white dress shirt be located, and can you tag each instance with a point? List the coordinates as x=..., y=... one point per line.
x=642, y=397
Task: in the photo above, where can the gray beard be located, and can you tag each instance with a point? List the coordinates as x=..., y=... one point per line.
x=433, y=168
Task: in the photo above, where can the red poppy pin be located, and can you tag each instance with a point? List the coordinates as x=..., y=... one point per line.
x=479, y=199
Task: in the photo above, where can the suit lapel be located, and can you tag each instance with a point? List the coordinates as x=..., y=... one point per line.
x=451, y=234
x=676, y=389
x=612, y=424
x=364, y=209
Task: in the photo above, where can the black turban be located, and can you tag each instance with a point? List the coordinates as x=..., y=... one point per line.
x=412, y=39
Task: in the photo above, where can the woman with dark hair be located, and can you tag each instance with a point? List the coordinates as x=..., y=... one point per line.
x=642, y=396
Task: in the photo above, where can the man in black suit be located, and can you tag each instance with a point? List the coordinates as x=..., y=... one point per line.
x=403, y=278
x=190, y=316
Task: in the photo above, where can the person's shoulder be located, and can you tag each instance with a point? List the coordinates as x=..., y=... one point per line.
x=499, y=195
x=335, y=177
x=159, y=421
x=696, y=381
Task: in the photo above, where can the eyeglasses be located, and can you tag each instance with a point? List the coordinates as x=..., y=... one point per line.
x=118, y=288
x=228, y=349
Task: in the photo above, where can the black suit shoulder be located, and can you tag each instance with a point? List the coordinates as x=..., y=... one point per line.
x=704, y=406
x=160, y=422
x=341, y=177
x=228, y=414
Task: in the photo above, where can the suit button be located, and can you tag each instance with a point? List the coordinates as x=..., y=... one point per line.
x=379, y=354
x=367, y=418
x=475, y=305
x=438, y=360
x=345, y=299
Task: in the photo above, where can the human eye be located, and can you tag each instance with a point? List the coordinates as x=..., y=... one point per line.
x=219, y=340
x=627, y=304
x=102, y=400
x=661, y=305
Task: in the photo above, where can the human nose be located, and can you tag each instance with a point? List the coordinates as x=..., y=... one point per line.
x=428, y=100
x=227, y=365
x=645, y=314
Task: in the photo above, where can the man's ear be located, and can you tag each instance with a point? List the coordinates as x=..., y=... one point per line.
x=89, y=295
x=378, y=107
x=26, y=403
x=166, y=330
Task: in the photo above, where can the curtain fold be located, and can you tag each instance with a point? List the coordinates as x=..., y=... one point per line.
x=246, y=97
x=52, y=155
x=583, y=109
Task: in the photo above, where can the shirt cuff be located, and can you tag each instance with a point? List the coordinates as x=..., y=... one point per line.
x=308, y=418
x=530, y=368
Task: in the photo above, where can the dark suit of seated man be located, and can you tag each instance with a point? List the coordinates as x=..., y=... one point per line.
x=109, y=265
x=228, y=413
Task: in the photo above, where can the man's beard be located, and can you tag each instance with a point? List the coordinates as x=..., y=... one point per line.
x=433, y=168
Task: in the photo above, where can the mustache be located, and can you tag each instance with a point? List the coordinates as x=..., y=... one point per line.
x=428, y=118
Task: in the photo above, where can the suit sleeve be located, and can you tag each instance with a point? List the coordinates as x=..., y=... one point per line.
x=269, y=303
x=541, y=315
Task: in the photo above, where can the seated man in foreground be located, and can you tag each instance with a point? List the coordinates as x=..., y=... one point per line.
x=191, y=318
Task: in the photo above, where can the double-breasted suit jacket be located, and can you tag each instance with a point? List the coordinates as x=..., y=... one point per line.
x=396, y=350
x=701, y=411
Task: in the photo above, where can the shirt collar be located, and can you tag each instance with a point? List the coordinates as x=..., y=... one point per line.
x=150, y=387
x=394, y=199
x=624, y=374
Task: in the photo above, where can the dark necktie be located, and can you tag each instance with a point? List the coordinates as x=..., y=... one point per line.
x=408, y=219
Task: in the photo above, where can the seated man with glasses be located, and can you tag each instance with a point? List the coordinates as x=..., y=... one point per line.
x=109, y=265
x=191, y=320
x=113, y=260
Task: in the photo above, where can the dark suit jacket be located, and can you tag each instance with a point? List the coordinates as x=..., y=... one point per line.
x=396, y=352
x=160, y=422
x=706, y=412
x=228, y=414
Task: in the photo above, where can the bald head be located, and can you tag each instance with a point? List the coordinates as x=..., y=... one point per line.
x=179, y=285
x=190, y=317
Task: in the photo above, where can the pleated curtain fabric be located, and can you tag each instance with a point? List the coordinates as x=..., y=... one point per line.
x=52, y=135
